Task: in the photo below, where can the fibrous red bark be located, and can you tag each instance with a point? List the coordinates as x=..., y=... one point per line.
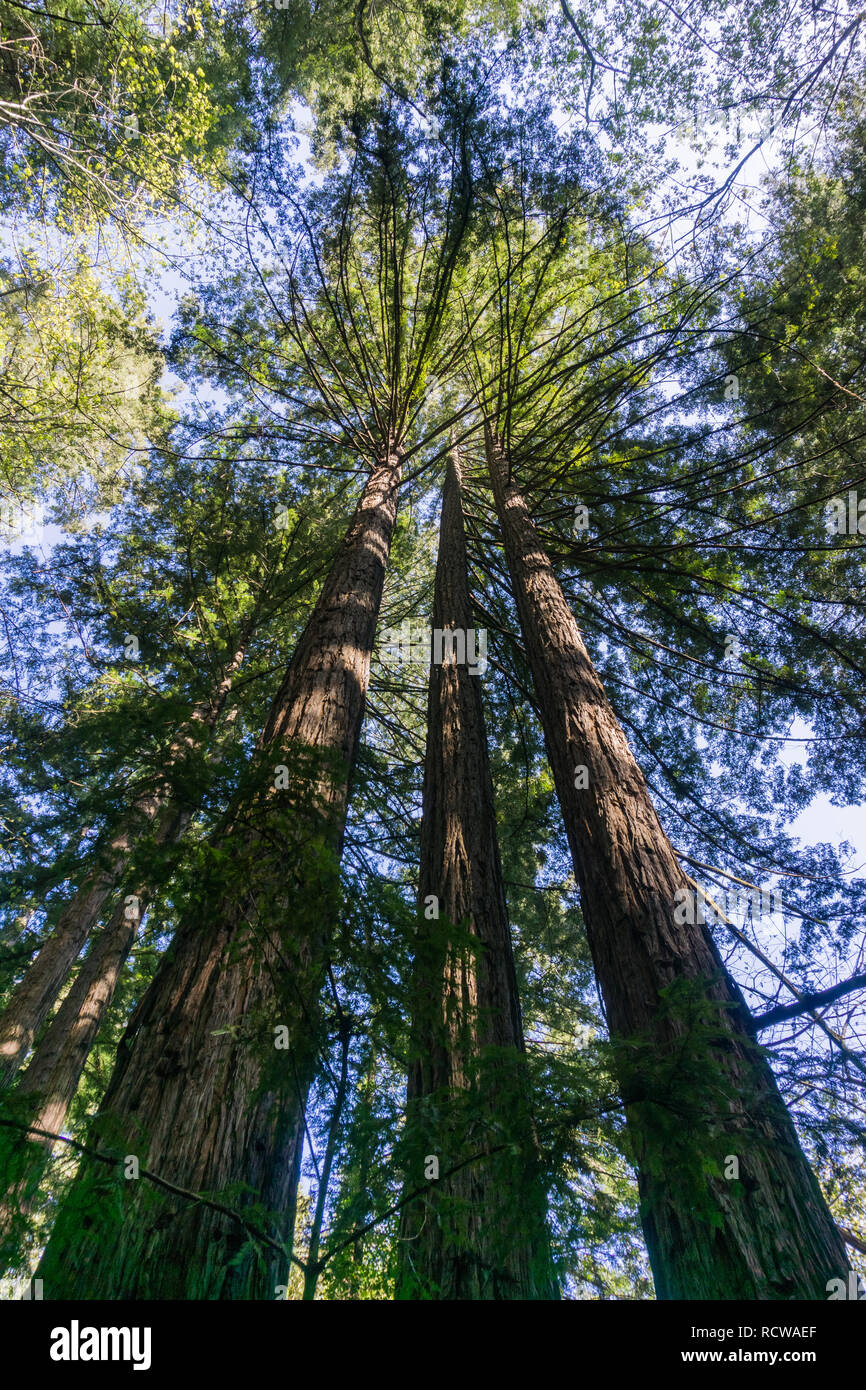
x=200, y=1093
x=695, y=1085
x=480, y=1232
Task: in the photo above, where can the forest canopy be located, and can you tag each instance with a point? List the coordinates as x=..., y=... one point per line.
x=433, y=650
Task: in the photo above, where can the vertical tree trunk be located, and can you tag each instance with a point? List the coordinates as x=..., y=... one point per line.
x=211, y=1078
x=33, y=998
x=312, y=1271
x=696, y=1088
x=481, y=1232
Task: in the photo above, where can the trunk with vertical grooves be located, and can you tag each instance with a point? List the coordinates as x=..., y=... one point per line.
x=768, y=1234
x=199, y=1092
x=479, y=1233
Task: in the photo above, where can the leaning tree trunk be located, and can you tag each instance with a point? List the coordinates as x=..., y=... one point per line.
x=33, y=998
x=35, y=995
x=478, y=1233
x=54, y=1070
x=211, y=1077
x=697, y=1090
x=48, y=1084
x=50, y=1080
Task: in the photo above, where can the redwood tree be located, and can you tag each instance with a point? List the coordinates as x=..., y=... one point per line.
x=211, y=1080
x=696, y=1087
x=198, y=1091
x=468, y=1091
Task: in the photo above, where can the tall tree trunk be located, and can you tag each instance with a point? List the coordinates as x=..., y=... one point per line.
x=312, y=1271
x=211, y=1077
x=696, y=1087
x=479, y=1233
x=35, y=995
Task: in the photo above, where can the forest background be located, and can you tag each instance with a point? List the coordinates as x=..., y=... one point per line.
x=298, y=304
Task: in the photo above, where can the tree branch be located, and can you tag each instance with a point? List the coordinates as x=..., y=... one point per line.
x=807, y=1002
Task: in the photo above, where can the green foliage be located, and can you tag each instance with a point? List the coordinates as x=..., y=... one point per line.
x=462, y=257
x=103, y=114
x=82, y=400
